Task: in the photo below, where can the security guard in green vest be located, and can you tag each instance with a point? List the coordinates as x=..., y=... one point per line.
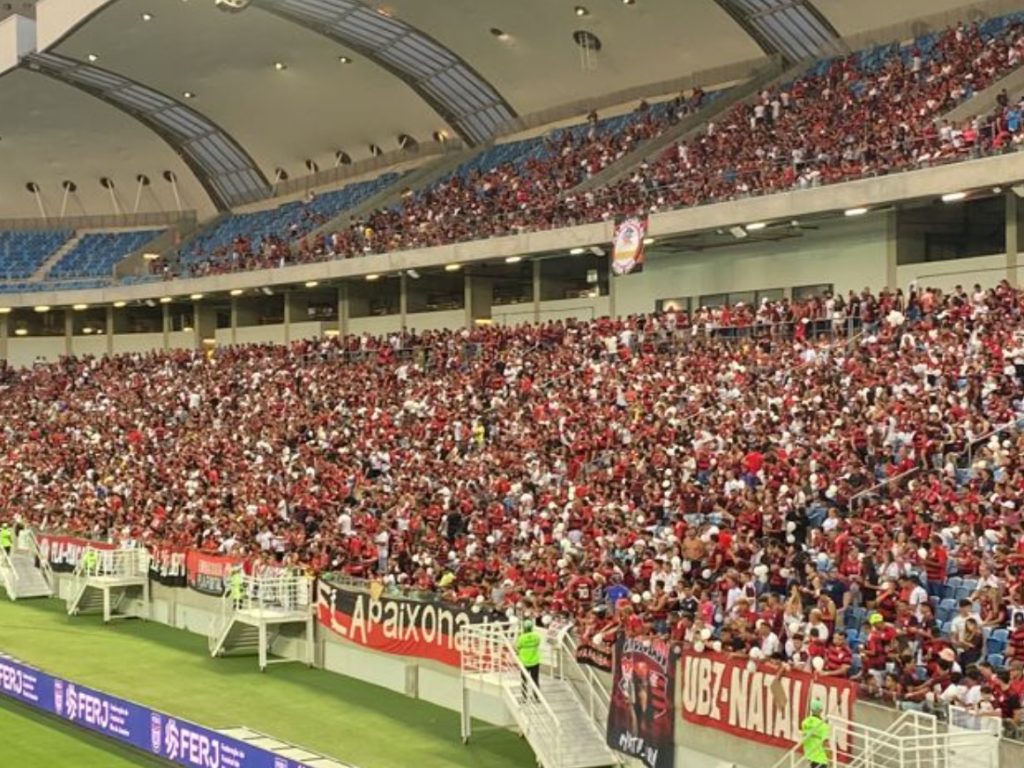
x=816, y=734
x=235, y=585
x=91, y=561
x=528, y=650
x=6, y=538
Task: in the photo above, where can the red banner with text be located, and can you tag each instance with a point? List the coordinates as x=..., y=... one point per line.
x=762, y=702
x=64, y=552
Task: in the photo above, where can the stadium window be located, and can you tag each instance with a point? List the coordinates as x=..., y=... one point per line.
x=803, y=292
x=714, y=300
x=771, y=294
x=742, y=297
x=680, y=304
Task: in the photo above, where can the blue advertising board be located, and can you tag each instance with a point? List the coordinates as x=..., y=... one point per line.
x=174, y=739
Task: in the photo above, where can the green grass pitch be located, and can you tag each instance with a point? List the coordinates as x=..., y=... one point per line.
x=172, y=671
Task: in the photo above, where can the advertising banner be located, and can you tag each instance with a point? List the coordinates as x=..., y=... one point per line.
x=641, y=719
x=426, y=629
x=179, y=741
x=64, y=552
x=208, y=573
x=759, y=702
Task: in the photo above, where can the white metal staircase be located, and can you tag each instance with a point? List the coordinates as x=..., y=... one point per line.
x=24, y=573
x=561, y=729
x=914, y=740
x=106, y=580
x=264, y=610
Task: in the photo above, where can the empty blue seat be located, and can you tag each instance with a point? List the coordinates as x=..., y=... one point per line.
x=997, y=660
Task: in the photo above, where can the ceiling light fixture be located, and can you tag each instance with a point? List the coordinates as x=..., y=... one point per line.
x=371, y=277
x=855, y=211
x=120, y=304
x=499, y=33
x=196, y=296
x=165, y=299
x=344, y=60
x=92, y=57
x=5, y=310
x=579, y=10
x=649, y=241
x=578, y=251
x=21, y=332
x=628, y=2
x=80, y=307
x=188, y=94
x=147, y=17
x=953, y=197
x=312, y=283
x=42, y=308
x=280, y=66
x=452, y=267
x=237, y=292
x=754, y=226
x=513, y=259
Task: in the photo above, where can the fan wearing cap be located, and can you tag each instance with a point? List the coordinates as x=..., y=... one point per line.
x=815, y=732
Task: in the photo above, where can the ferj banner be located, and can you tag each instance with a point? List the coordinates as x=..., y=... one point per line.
x=173, y=739
x=628, y=245
x=641, y=718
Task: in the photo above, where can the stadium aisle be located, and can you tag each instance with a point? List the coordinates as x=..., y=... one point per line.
x=171, y=670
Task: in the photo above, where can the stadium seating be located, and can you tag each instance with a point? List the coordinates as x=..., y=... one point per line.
x=95, y=254
x=23, y=252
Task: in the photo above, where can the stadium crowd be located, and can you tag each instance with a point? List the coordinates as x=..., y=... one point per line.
x=834, y=483
x=868, y=114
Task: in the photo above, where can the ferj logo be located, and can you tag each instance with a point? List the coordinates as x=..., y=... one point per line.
x=172, y=744
x=156, y=723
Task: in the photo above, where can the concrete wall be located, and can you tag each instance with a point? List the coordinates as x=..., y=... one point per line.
x=23, y=350
x=433, y=321
x=848, y=254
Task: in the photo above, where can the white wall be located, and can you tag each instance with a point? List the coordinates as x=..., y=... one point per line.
x=436, y=321
x=255, y=334
x=848, y=254
x=137, y=342
x=55, y=18
x=313, y=329
x=22, y=351
x=580, y=309
x=513, y=314
x=987, y=270
x=89, y=345
x=376, y=325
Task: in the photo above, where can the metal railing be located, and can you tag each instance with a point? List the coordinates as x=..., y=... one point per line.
x=8, y=574
x=597, y=699
x=914, y=740
x=487, y=650
x=30, y=543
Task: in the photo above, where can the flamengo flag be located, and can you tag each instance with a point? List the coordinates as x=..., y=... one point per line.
x=628, y=247
x=641, y=716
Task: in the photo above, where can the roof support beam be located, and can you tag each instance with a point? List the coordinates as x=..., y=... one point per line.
x=458, y=93
x=227, y=172
x=796, y=29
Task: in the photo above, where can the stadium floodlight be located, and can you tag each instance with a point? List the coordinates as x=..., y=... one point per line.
x=754, y=226
x=954, y=197
x=855, y=211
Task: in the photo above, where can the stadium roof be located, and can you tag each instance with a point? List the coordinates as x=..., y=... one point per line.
x=225, y=99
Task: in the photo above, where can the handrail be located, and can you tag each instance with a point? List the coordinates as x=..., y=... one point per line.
x=977, y=441
x=7, y=567
x=44, y=562
x=597, y=693
x=883, y=484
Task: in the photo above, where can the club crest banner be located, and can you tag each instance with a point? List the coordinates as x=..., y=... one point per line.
x=641, y=719
x=628, y=246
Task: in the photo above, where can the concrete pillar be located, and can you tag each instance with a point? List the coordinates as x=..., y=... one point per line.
x=891, y=251
x=69, y=331
x=343, y=309
x=4, y=333
x=110, y=330
x=234, y=319
x=165, y=325
x=403, y=299
x=1012, y=212
x=613, y=282
x=479, y=297
x=536, y=290
x=204, y=322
